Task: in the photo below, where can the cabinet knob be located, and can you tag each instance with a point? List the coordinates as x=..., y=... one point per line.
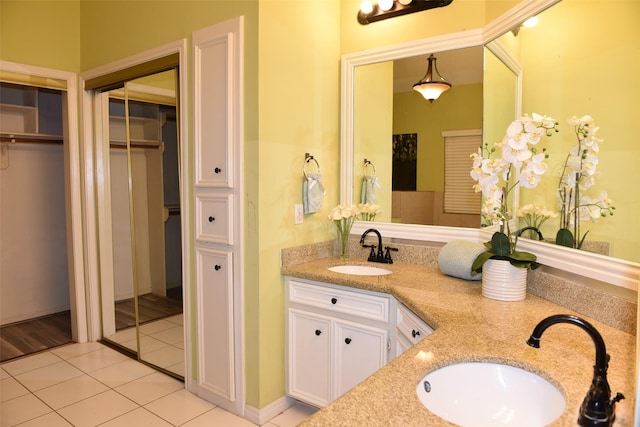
x=217, y=267
x=211, y=219
x=347, y=340
x=415, y=333
x=217, y=170
x=334, y=300
x=318, y=332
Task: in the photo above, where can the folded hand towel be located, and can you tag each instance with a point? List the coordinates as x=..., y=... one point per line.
x=312, y=192
x=457, y=257
x=369, y=186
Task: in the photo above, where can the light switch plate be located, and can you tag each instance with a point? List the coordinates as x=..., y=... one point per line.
x=298, y=215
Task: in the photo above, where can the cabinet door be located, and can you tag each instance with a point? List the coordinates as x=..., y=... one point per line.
x=359, y=352
x=309, y=357
x=215, y=322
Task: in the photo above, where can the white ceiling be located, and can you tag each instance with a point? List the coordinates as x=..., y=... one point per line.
x=460, y=67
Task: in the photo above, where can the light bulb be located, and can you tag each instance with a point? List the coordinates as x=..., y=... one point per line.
x=531, y=22
x=385, y=4
x=366, y=7
x=405, y=2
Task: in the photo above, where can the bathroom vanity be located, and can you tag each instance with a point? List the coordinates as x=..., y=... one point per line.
x=468, y=328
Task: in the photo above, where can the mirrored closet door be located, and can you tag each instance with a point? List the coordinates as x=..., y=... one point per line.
x=142, y=307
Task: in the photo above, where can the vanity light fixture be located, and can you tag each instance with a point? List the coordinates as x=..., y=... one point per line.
x=372, y=12
x=431, y=86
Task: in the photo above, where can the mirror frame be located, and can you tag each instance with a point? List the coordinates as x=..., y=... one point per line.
x=610, y=270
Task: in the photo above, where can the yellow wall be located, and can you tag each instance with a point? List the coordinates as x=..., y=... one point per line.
x=593, y=75
x=459, y=108
x=42, y=33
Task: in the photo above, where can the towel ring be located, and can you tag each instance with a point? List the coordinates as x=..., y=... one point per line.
x=364, y=167
x=307, y=159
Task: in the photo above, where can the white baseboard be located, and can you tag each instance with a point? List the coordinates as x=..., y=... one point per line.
x=264, y=415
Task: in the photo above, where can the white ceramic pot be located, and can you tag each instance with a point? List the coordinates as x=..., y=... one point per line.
x=502, y=281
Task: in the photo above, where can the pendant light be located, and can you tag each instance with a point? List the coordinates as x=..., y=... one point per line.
x=431, y=86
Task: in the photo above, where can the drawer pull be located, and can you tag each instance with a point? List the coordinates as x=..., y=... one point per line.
x=217, y=267
x=217, y=170
x=211, y=219
x=347, y=340
x=415, y=333
x=318, y=332
x=334, y=300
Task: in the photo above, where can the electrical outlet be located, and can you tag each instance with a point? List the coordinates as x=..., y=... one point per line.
x=298, y=215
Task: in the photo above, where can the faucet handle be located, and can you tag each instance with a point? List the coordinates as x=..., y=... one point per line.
x=372, y=254
x=387, y=255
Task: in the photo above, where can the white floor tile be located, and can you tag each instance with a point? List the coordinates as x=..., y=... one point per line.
x=218, y=417
x=170, y=336
x=26, y=364
x=99, y=359
x=149, y=344
x=122, y=373
x=10, y=389
x=157, y=326
x=179, y=407
x=294, y=415
x=74, y=350
x=124, y=335
x=49, y=375
x=97, y=409
x=3, y=374
x=52, y=419
x=66, y=393
x=149, y=388
x=21, y=409
x=178, y=319
x=164, y=357
x=138, y=417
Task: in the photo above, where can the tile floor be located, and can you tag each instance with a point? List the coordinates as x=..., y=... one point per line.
x=161, y=342
x=92, y=385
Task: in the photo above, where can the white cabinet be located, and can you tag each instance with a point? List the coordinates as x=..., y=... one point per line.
x=410, y=329
x=336, y=338
x=217, y=112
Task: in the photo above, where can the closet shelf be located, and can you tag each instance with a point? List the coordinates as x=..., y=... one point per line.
x=35, y=138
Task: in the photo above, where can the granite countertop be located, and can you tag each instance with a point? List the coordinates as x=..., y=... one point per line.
x=469, y=327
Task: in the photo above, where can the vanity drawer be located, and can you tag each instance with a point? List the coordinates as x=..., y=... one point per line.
x=410, y=327
x=340, y=300
x=214, y=218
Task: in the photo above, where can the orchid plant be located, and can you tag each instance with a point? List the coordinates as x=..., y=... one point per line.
x=579, y=174
x=521, y=164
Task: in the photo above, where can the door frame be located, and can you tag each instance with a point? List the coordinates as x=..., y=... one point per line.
x=74, y=200
x=95, y=133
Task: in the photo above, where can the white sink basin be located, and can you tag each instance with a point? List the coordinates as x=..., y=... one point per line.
x=360, y=270
x=490, y=394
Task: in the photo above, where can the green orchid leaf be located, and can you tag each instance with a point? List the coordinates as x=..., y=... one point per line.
x=584, y=236
x=500, y=244
x=564, y=238
x=523, y=256
x=480, y=260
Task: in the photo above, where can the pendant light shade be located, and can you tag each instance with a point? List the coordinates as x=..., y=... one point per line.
x=431, y=86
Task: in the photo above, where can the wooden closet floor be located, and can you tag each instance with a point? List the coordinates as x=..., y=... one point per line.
x=150, y=307
x=30, y=336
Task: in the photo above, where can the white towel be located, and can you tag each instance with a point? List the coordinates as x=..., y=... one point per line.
x=369, y=186
x=457, y=257
x=312, y=192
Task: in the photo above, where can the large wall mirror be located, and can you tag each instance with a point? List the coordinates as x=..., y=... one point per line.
x=563, y=73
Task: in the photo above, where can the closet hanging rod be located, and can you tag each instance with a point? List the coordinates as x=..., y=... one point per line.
x=123, y=144
x=32, y=139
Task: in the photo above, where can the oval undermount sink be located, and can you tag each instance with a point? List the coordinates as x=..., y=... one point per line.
x=477, y=394
x=360, y=270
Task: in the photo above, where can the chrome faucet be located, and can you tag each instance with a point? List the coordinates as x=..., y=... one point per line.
x=380, y=256
x=597, y=409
